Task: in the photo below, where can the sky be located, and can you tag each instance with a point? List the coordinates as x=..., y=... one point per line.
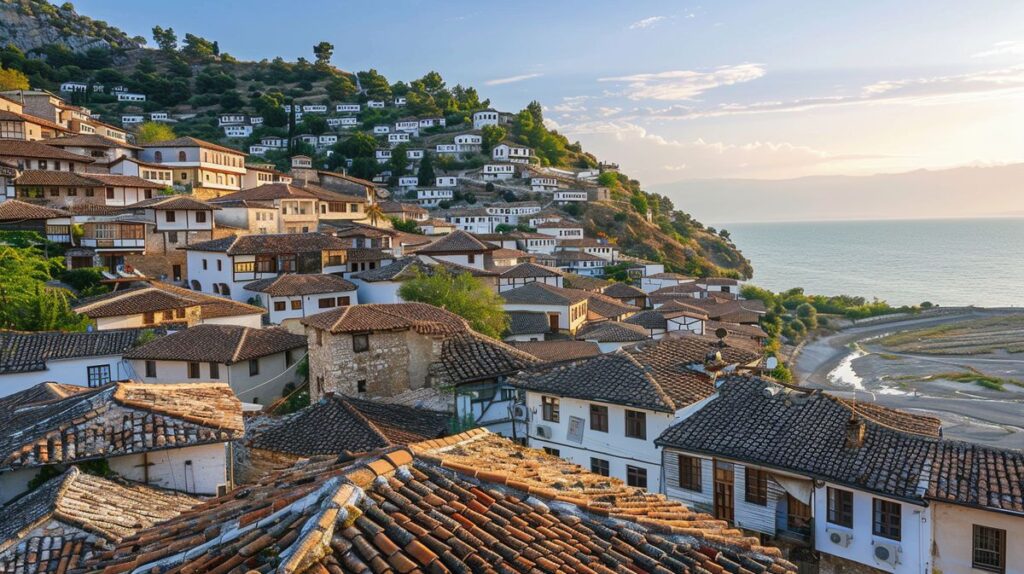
x=678, y=91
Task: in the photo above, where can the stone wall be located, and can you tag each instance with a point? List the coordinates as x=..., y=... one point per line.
x=161, y=257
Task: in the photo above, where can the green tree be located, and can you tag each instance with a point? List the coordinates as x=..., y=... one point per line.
x=323, y=52
x=314, y=124
x=492, y=136
x=375, y=84
x=13, y=80
x=26, y=302
x=197, y=48
x=399, y=163
x=462, y=294
x=808, y=315
x=166, y=39
x=406, y=225
x=154, y=132
x=358, y=145
x=341, y=88
x=231, y=101
x=425, y=175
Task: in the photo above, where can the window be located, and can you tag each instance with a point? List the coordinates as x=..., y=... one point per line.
x=172, y=216
x=840, y=507
x=110, y=193
x=220, y=265
x=989, y=549
x=756, y=486
x=193, y=370
x=599, y=418
x=636, y=476
x=296, y=304
x=689, y=472
x=279, y=305
x=172, y=237
x=636, y=424
x=159, y=157
x=204, y=265
x=326, y=303
x=254, y=367
x=181, y=156
x=150, y=369
x=148, y=318
x=344, y=301
x=214, y=370
x=552, y=451
x=550, y=409
x=361, y=387
x=289, y=360
x=471, y=258
x=886, y=521
x=599, y=466
x=360, y=343
x=200, y=217
x=99, y=375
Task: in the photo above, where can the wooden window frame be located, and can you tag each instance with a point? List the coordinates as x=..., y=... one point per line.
x=598, y=418
x=635, y=429
x=840, y=507
x=887, y=519
x=635, y=475
x=550, y=409
x=690, y=472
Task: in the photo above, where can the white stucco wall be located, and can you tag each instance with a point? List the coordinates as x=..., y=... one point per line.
x=195, y=469
x=68, y=372
x=954, y=535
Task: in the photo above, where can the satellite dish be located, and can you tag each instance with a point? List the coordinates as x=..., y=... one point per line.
x=383, y=193
x=771, y=363
x=721, y=332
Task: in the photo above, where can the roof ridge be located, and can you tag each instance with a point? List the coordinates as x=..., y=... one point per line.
x=355, y=412
x=240, y=345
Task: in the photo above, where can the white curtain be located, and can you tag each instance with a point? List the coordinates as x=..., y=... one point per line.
x=799, y=489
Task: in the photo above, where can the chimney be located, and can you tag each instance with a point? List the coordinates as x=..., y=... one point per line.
x=855, y=430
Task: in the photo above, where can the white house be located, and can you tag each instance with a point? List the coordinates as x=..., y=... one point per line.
x=414, y=154
x=314, y=109
x=400, y=101
x=381, y=130
x=473, y=220
x=88, y=359
x=566, y=308
x=325, y=140
x=543, y=184
x=483, y=118
x=130, y=97
x=432, y=122
x=524, y=273
x=382, y=155
x=407, y=182
x=256, y=363
x=657, y=281
x=446, y=149
x=132, y=119
x=511, y=152
x=74, y=87
x=230, y=119
x=446, y=181
x=468, y=143
x=498, y=171
x=570, y=195
x=258, y=149
x=512, y=212
x=720, y=285
x=158, y=116
x=241, y=131
x=407, y=126
x=375, y=104
x=347, y=108
x=274, y=142
x=561, y=230
x=535, y=242
x=398, y=138
x=431, y=197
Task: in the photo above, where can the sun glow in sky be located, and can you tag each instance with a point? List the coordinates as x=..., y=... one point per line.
x=681, y=90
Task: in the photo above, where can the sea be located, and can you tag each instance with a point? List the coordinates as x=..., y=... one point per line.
x=949, y=262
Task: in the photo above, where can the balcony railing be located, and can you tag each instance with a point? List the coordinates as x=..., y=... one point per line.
x=113, y=243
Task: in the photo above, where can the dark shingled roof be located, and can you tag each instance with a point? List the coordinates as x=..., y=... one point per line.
x=527, y=323
x=537, y=293
x=270, y=243
x=615, y=378
x=612, y=332
x=407, y=267
x=265, y=192
x=47, y=177
x=292, y=284
x=115, y=420
x=559, y=350
x=158, y=296
x=527, y=270
x=470, y=356
x=607, y=307
x=420, y=317
x=338, y=424
x=650, y=319
x=574, y=281
x=15, y=210
x=23, y=352
x=22, y=148
x=765, y=423
x=468, y=503
x=88, y=140
x=456, y=242
x=214, y=343
x=620, y=290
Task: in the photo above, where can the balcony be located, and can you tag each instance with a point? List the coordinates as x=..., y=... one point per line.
x=113, y=243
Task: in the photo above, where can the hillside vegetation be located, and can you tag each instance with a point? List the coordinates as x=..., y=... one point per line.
x=192, y=78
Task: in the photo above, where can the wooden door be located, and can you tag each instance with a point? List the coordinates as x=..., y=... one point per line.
x=725, y=503
x=553, y=322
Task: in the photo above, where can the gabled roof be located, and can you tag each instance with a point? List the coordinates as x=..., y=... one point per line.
x=612, y=332
x=623, y=291
x=420, y=317
x=88, y=140
x=527, y=323
x=117, y=180
x=467, y=503
x=69, y=518
x=470, y=356
x=528, y=270
x=116, y=420
x=158, y=296
x=192, y=142
x=407, y=268
x=338, y=424
x=606, y=307
x=574, y=281
x=172, y=202
x=270, y=243
x=538, y=293
x=305, y=284
x=52, y=177
x=22, y=148
x=16, y=210
x=24, y=352
x=559, y=349
x=215, y=343
x=266, y=192
x=456, y=242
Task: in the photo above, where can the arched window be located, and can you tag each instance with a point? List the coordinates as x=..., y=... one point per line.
x=225, y=290
x=216, y=288
x=181, y=155
x=159, y=156
x=196, y=286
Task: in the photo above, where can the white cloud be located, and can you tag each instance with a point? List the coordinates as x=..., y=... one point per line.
x=1007, y=48
x=646, y=23
x=511, y=79
x=685, y=84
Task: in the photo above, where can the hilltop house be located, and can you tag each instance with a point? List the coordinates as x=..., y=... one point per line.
x=494, y=171
x=486, y=117
x=208, y=169
x=510, y=152
x=87, y=359
x=657, y=281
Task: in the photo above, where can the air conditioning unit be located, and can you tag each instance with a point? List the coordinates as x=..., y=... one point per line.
x=887, y=552
x=838, y=537
x=543, y=431
x=520, y=412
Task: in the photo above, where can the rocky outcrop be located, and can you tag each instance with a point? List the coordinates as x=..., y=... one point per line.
x=34, y=24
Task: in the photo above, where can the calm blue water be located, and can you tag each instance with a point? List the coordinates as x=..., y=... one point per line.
x=948, y=262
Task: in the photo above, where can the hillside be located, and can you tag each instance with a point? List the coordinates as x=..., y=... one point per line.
x=194, y=81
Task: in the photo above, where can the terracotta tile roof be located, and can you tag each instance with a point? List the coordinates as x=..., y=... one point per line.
x=89, y=140
x=68, y=519
x=623, y=291
x=266, y=192
x=736, y=329
x=15, y=210
x=116, y=180
x=171, y=202
x=676, y=276
x=527, y=270
x=192, y=142
x=214, y=343
x=612, y=332
x=116, y=420
x=158, y=296
x=900, y=420
x=537, y=293
x=307, y=284
x=605, y=307
x=453, y=506
x=470, y=356
x=504, y=253
x=24, y=352
x=527, y=322
x=979, y=476
x=6, y=115
x=400, y=207
x=407, y=268
x=420, y=317
x=728, y=311
x=270, y=243
x=50, y=177
x=457, y=241
x=574, y=281
x=559, y=350
x=338, y=424
x=22, y=148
